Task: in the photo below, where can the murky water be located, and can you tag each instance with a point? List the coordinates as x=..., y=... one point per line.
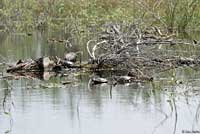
x=170, y=104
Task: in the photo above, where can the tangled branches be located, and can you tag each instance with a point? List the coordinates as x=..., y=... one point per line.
x=129, y=47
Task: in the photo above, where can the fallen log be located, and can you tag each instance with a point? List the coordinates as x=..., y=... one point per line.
x=42, y=64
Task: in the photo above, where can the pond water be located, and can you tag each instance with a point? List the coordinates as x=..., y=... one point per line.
x=169, y=105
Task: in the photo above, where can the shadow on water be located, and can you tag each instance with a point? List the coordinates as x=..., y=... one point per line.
x=52, y=103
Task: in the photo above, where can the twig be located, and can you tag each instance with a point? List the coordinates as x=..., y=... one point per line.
x=88, y=49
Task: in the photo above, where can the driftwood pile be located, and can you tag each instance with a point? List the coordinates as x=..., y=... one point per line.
x=128, y=47
x=117, y=48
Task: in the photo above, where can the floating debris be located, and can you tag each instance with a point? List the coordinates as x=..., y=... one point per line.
x=66, y=82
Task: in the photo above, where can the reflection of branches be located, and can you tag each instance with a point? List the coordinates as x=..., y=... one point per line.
x=173, y=108
x=176, y=115
x=6, y=93
x=161, y=122
x=89, y=84
x=110, y=92
x=78, y=109
x=196, y=115
x=7, y=110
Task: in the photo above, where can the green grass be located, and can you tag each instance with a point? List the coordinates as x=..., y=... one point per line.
x=28, y=15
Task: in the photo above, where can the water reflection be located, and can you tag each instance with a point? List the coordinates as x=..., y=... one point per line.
x=43, y=104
